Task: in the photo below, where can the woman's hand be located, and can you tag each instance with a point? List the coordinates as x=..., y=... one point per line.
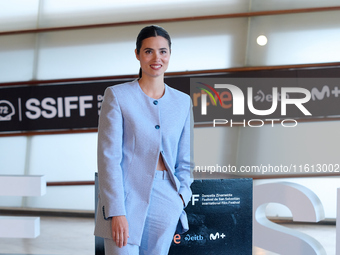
x=120, y=230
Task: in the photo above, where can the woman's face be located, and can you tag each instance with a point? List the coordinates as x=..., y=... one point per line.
x=154, y=56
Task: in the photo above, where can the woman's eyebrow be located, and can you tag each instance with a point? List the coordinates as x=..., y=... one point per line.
x=153, y=49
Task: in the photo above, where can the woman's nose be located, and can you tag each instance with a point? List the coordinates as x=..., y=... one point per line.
x=157, y=56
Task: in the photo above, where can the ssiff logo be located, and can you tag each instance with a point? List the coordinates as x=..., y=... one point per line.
x=7, y=110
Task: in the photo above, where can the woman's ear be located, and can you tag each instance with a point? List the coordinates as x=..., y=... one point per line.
x=137, y=55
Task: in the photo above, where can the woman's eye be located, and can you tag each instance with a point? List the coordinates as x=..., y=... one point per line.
x=148, y=51
x=163, y=51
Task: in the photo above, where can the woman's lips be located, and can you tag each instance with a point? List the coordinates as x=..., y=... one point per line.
x=156, y=67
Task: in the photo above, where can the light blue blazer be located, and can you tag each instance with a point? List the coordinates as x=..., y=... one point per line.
x=134, y=129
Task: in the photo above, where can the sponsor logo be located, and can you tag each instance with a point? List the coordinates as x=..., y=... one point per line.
x=324, y=93
x=177, y=239
x=198, y=238
x=216, y=236
x=188, y=238
x=204, y=97
x=193, y=237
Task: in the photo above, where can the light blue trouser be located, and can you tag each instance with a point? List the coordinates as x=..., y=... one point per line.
x=163, y=214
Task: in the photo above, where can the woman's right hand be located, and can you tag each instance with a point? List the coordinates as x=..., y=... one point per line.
x=120, y=230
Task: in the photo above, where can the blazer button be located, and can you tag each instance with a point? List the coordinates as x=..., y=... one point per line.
x=157, y=127
x=155, y=102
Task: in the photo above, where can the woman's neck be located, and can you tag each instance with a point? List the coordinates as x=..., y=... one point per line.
x=153, y=87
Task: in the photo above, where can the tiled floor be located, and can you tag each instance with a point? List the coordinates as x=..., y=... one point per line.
x=74, y=236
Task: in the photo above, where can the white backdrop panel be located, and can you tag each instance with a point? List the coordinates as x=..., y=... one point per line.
x=196, y=45
x=64, y=157
x=18, y=14
x=16, y=57
x=67, y=197
x=260, y=5
x=80, y=12
x=295, y=39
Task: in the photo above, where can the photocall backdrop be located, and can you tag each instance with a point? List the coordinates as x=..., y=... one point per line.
x=220, y=219
x=67, y=106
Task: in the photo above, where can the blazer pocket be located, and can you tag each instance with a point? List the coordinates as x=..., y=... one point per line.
x=103, y=209
x=183, y=225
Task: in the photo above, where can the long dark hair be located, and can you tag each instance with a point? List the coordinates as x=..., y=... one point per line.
x=151, y=31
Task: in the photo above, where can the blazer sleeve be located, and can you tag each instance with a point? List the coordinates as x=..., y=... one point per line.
x=110, y=143
x=185, y=163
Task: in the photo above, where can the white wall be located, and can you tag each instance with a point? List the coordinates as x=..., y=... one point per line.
x=212, y=147
x=70, y=157
x=308, y=143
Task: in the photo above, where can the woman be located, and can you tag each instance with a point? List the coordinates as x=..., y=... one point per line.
x=144, y=156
